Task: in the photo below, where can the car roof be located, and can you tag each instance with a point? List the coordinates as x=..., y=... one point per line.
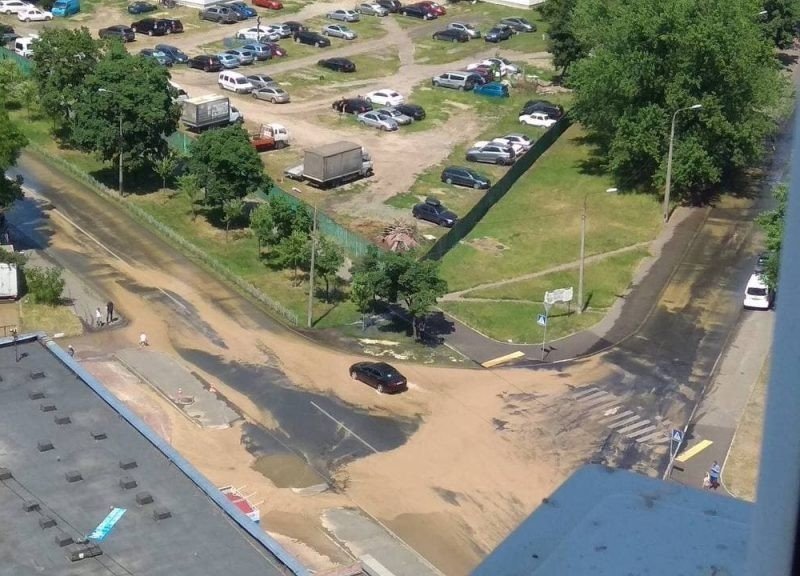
x=756, y=281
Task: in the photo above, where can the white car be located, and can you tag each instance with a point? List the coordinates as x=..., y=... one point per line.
x=385, y=97
x=281, y=30
x=466, y=27
x=517, y=148
x=503, y=65
x=539, y=119
x=520, y=139
x=258, y=33
x=34, y=15
x=14, y=6
x=757, y=295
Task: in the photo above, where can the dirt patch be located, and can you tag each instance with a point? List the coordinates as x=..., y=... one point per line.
x=488, y=245
x=286, y=470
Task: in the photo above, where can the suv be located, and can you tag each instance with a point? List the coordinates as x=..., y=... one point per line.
x=457, y=80
x=205, y=62
x=311, y=38
x=352, y=106
x=465, y=177
x=119, y=31
x=151, y=27
x=433, y=211
x=492, y=154
x=222, y=14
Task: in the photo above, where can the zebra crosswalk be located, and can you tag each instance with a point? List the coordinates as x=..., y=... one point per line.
x=609, y=411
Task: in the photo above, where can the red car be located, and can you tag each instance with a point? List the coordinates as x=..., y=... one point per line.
x=275, y=49
x=269, y=4
x=437, y=9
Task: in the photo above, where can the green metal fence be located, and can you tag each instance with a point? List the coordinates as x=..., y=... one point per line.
x=25, y=65
x=466, y=224
x=180, y=142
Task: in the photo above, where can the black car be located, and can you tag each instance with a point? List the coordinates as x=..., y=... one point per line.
x=451, y=35
x=416, y=11
x=175, y=54
x=465, y=177
x=120, y=31
x=352, y=105
x=554, y=111
x=380, y=375
x=311, y=38
x=205, y=62
x=390, y=5
x=141, y=8
x=294, y=26
x=413, y=110
x=337, y=64
x=498, y=33
x=7, y=34
x=433, y=211
x=174, y=26
x=151, y=27
x=519, y=24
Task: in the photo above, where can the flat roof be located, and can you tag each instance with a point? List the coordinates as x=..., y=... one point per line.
x=73, y=457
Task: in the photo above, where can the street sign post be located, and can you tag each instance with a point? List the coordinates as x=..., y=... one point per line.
x=543, y=323
x=541, y=320
x=675, y=441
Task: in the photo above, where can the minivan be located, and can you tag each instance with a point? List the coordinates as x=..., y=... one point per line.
x=24, y=46
x=457, y=80
x=235, y=82
x=66, y=7
x=757, y=295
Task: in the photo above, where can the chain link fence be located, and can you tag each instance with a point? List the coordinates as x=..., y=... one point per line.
x=25, y=65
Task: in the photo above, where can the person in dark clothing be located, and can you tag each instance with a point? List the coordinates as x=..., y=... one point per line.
x=109, y=312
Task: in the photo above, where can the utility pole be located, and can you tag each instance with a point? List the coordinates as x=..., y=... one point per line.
x=583, y=250
x=121, y=144
x=669, y=157
x=311, y=274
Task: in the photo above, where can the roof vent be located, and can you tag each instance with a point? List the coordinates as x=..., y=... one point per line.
x=47, y=407
x=73, y=476
x=5, y=474
x=46, y=522
x=63, y=540
x=37, y=375
x=44, y=445
x=143, y=498
x=161, y=514
x=128, y=464
x=62, y=419
x=36, y=395
x=98, y=435
x=85, y=552
x=127, y=482
x=30, y=505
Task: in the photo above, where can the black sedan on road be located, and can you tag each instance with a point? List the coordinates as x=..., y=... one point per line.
x=380, y=375
x=120, y=31
x=337, y=64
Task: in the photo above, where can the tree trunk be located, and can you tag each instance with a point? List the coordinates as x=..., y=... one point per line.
x=327, y=290
x=227, y=227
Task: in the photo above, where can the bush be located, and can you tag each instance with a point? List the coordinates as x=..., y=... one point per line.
x=45, y=285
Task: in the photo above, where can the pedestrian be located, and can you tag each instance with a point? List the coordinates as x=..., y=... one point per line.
x=98, y=316
x=714, y=474
x=109, y=312
x=71, y=351
x=143, y=340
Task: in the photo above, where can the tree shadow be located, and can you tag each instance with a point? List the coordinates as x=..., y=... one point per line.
x=434, y=327
x=596, y=164
x=786, y=60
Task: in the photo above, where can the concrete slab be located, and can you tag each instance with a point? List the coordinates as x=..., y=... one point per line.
x=179, y=386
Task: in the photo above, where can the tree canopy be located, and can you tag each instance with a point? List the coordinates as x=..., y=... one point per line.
x=561, y=41
x=650, y=58
x=780, y=21
x=12, y=140
x=773, y=223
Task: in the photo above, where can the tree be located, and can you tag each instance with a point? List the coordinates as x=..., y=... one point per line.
x=362, y=295
x=232, y=211
x=226, y=165
x=652, y=57
x=45, y=285
x=11, y=143
x=262, y=224
x=780, y=21
x=773, y=222
x=293, y=251
x=63, y=60
x=189, y=188
x=420, y=286
x=165, y=165
x=135, y=89
x=561, y=41
x=329, y=258
x=11, y=79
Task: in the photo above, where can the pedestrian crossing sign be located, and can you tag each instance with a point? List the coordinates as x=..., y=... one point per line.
x=541, y=320
x=677, y=436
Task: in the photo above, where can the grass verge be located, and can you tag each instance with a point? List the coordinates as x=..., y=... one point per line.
x=48, y=319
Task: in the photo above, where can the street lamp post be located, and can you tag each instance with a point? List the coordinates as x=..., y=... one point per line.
x=669, y=157
x=583, y=246
x=121, y=142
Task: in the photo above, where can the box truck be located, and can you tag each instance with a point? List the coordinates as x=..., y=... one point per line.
x=332, y=164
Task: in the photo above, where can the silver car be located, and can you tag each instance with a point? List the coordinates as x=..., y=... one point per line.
x=274, y=94
x=370, y=9
x=378, y=121
x=245, y=56
x=344, y=15
x=262, y=81
x=492, y=154
x=395, y=115
x=339, y=31
x=471, y=31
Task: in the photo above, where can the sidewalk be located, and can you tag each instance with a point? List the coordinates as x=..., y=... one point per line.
x=624, y=318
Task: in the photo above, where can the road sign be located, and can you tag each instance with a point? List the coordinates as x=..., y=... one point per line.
x=677, y=435
x=541, y=320
x=559, y=295
x=675, y=441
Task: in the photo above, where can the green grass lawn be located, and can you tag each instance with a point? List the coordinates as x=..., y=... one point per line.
x=49, y=319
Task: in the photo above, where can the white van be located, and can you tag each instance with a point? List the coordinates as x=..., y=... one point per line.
x=235, y=82
x=757, y=295
x=24, y=46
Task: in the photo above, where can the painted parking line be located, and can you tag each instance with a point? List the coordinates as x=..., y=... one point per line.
x=502, y=359
x=693, y=451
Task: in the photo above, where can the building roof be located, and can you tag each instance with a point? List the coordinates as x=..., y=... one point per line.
x=68, y=456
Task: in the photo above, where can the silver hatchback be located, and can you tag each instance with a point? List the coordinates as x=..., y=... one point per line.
x=379, y=121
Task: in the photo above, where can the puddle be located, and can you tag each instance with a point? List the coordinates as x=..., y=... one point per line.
x=287, y=471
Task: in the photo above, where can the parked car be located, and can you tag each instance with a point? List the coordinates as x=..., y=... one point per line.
x=235, y=82
x=379, y=121
x=7, y=34
x=9, y=7
x=268, y=4
x=517, y=148
x=352, y=105
x=437, y=9
x=520, y=139
x=519, y=24
x=465, y=177
x=417, y=11
x=757, y=295
x=432, y=210
x=380, y=375
x=385, y=97
x=175, y=54
x=275, y=49
x=174, y=26
x=539, y=119
x=412, y=110
x=261, y=52
x=555, y=111
x=485, y=73
x=257, y=33
x=337, y=64
x=141, y=8
x=150, y=26
x=281, y=30
x=119, y=31
x=243, y=10
x=370, y=9
x=396, y=115
x=245, y=57
x=492, y=154
x=343, y=15
x=220, y=14
x=498, y=33
x=205, y=62
x=451, y=35
x=274, y=94
x=156, y=55
x=391, y=5
x=503, y=64
x=261, y=81
x=468, y=29
x=492, y=89
x=228, y=61
x=311, y=38
x=456, y=80
x=339, y=31
x=33, y=14
x=295, y=26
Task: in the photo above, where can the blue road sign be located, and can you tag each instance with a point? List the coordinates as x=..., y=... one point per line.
x=677, y=436
x=104, y=528
x=541, y=320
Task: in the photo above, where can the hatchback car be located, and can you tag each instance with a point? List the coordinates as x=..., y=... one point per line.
x=175, y=54
x=433, y=211
x=757, y=295
x=261, y=81
x=150, y=26
x=385, y=97
x=451, y=35
x=352, y=105
x=141, y=8
x=269, y=4
x=281, y=30
x=499, y=33
x=492, y=89
x=274, y=94
x=228, y=60
x=519, y=24
x=380, y=375
x=554, y=111
x=33, y=14
x=369, y=9
x=119, y=31
x=261, y=52
x=379, y=121
x=339, y=31
x=412, y=110
x=156, y=55
x=275, y=49
x=343, y=15
x=337, y=64
x=245, y=57
x=395, y=115
x=465, y=177
x=311, y=38
x=465, y=27
x=205, y=62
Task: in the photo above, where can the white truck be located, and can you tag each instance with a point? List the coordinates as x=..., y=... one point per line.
x=332, y=164
x=209, y=111
x=9, y=277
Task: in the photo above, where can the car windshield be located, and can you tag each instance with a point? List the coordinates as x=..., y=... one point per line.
x=757, y=291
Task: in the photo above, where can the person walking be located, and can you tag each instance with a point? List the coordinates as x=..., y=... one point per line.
x=98, y=316
x=713, y=475
x=71, y=351
x=143, y=340
x=109, y=312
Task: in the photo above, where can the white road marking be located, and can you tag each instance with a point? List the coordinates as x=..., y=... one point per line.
x=341, y=424
x=593, y=395
x=617, y=417
x=583, y=392
x=600, y=402
x=612, y=411
x=642, y=432
x=633, y=427
x=625, y=422
x=88, y=235
x=660, y=436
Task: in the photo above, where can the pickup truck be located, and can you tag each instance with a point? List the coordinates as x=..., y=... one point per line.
x=332, y=164
x=270, y=137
